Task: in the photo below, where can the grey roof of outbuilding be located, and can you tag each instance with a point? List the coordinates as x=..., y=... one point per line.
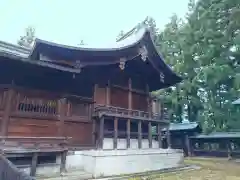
x=216, y=135
x=236, y=101
x=182, y=126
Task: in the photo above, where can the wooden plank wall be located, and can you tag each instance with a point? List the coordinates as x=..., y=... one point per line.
x=36, y=114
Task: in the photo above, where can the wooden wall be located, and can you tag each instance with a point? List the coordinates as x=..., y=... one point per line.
x=119, y=97
x=37, y=114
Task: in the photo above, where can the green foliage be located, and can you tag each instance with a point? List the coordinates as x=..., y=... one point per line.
x=205, y=50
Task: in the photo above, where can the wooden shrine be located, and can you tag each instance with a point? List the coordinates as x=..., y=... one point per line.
x=56, y=97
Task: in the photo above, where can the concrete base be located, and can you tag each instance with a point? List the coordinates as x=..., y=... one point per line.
x=101, y=163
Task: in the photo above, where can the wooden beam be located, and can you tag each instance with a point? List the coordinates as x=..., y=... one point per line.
x=129, y=93
x=150, y=134
x=128, y=132
x=159, y=132
x=34, y=164
x=115, y=139
x=7, y=111
x=62, y=109
x=101, y=132
x=139, y=134
x=108, y=94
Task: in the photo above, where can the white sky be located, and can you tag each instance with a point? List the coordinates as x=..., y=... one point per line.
x=70, y=21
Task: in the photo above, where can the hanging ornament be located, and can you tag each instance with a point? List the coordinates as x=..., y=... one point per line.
x=162, y=77
x=122, y=63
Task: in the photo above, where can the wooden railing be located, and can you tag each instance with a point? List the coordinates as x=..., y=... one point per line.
x=10, y=172
x=18, y=143
x=101, y=109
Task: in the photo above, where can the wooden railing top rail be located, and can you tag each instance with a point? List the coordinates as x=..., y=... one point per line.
x=33, y=143
x=131, y=112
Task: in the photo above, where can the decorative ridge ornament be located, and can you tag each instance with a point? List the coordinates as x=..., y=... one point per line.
x=143, y=52
x=122, y=63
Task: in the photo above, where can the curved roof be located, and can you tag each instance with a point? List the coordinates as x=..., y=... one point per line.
x=128, y=47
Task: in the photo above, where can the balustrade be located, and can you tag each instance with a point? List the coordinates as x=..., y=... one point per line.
x=129, y=112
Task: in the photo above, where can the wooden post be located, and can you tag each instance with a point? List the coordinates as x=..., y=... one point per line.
x=61, y=115
x=229, y=149
x=149, y=104
x=34, y=164
x=128, y=132
x=168, y=133
x=187, y=144
x=129, y=93
x=115, y=139
x=150, y=134
x=108, y=94
x=139, y=134
x=94, y=133
x=101, y=132
x=95, y=93
x=7, y=111
x=159, y=132
x=63, y=162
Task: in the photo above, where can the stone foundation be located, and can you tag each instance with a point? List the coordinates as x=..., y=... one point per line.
x=102, y=163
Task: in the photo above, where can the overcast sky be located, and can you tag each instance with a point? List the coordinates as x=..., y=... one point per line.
x=94, y=21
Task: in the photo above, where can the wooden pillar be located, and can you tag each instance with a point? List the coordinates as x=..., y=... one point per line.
x=108, y=94
x=149, y=103
x=61, y=115
x=63, y=161
x=168, y=134
x=128, y=132
x=139, y=134
x=187, y=144
x=159, y=132
x=101, y=132
x=129, y=93
x=34, y=164
x=150, y=134
x=7, y=111
x=115, y=139
x=94, y=133
x=229, y=149
x=95, y=92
